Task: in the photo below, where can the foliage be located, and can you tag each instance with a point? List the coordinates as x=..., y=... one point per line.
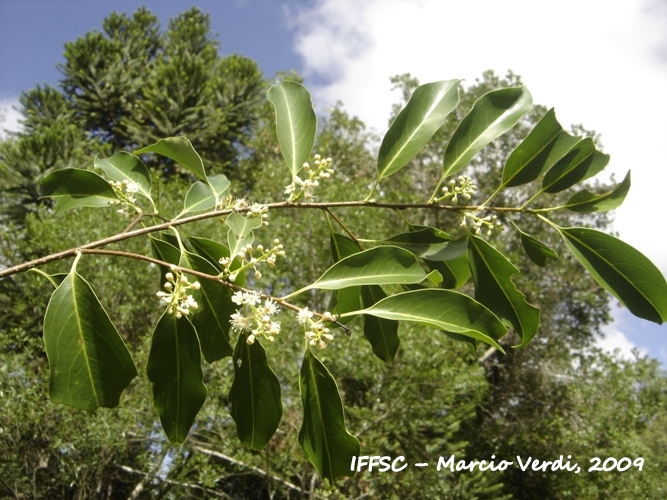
x=413, y=261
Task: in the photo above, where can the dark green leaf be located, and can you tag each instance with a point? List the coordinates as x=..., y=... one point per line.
x=73, y=187
x=625, y=272
x=585, y=202
x=455, y=272
x=323, y=436
x=545, y=145
x=537, y=251
x=345, y=299
x=296, y=123
x=443, y=309
x=90, y=365
x=428, y=243
x=181, y=151
x=492, y=115
x=381, y=333
x=124, y=166
x=422, y=116
x=174, y=369
x=492, y=274
x=255, y=395
x=580, y=163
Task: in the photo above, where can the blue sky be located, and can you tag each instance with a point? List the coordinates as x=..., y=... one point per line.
x=600, y=63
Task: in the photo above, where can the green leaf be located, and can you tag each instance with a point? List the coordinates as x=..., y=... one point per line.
x=492, y=115
x=580, y=163
x=455, y=272
x=296, y=123
x=254, y=396
x=537, y=251
x=545, y=145
x=381, y=333
x=382, y=265
x=199, y=198
x=211, y=320
x=240, y=230
x=622, y=270
x=90, y=365
x=213, y=251
x=427, y=242
x=422, y=116
x=181, y=151
x=323, y=435
x=345, y=299
x=174, y=369
x=220, y=185
x=492, y=272
x=124, y=166
x=585, y=202
x=73, y=187
x=446, y=310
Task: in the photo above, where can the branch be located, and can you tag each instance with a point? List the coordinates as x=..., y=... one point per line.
x=125, y=235
x=215, y=493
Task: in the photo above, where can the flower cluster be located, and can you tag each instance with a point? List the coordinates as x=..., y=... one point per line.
x=178, y=301
x=463, y=192
x=305, y=187
x=250, y=257
x=490, y=223
x=315, y=331
x=125, y=191
x=258, y=322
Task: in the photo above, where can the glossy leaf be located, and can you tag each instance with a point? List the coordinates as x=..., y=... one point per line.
x=124, y=166
x=492, y=274
x=345, y=299
x=323, y=435
x=625, y=272
x=585, y=202
x=491, y=116
x=90, y=364
x=545, y=145
x=537, y=251
x=454, y=272
x=74, y=187
x=446, y=310
x=382, y=265
x=174, y=369
x=580, y=163
x=254, y=396
x=181, y=151
x=422, y=116
x=213, y=251
x=381, y=333
x=296, y=123
x=211, y=319
x=428, y=242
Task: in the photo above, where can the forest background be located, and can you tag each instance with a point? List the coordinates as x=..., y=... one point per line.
x=562, y=393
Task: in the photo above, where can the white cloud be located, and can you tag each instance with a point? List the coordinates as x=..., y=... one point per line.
x=615, y=342
x=595, y=61
x=9, y=116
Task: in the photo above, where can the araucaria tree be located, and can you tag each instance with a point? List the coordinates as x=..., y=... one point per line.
x=217, y=302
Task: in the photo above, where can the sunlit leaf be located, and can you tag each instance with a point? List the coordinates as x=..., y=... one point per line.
x=585, y=202
x=491, y=116
x=492, y=274
x=255, y=395
x=73, y=187
x=181, y=151
x=124, y=166
x=446, y=310
x=174, y=369
x=296, y=122
x=422, y=116
x=427, y=242
x=545, y=145
x=622, y=270
x=323, y=435
x=580, y=163
x=90, y=365
x=382, y=265
x=199, y=198
x=240, y=231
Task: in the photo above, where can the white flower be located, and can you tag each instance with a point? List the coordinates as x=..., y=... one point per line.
x=304, y=315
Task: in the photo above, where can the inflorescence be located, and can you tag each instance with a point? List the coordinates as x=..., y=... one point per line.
x=178, y=301
x=300, y=187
